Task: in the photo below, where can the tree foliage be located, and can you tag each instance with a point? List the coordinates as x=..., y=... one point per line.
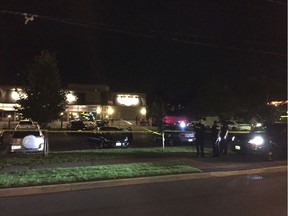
x=43, y=97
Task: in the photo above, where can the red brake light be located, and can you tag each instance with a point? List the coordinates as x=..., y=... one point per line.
x=181, y=135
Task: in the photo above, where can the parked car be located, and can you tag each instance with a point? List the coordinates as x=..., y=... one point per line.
x=269, y=141
x=238, y=125
x=175, y=134
x=76, y=125
x=90, y=125
x=24, y=124
x=102, y=123
x=111, y=137
x=28, y=140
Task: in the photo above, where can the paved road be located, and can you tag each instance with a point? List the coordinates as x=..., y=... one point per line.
x=247, y=194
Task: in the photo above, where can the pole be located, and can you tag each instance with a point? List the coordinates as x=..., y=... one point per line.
x=9, y=121
x=61, y=120
x=163, y=141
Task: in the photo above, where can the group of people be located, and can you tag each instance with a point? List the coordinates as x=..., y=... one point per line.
x=219, y=133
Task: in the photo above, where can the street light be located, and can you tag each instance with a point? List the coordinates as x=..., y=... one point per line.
x=143, y=111
x=61, y=118
x=71, y=98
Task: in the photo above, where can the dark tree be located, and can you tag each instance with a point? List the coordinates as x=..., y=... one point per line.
x=44, y=98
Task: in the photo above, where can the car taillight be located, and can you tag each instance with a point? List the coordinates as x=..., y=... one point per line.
x=181, y=135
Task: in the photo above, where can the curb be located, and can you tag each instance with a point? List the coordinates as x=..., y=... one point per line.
x=25, y=191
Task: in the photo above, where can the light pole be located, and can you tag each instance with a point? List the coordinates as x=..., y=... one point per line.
x=110, y=113
x=9, y=121
x=143, y=113
x=98, y=111
x=61, y=119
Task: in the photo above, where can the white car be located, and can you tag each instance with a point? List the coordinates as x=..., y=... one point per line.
x=26, y=124
x=28, y=141
x=233, y=125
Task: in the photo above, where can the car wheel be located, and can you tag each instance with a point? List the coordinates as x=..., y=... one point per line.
x=125, y=144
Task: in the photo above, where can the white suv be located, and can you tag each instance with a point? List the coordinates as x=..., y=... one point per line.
x=26, y=124
x=28, y=141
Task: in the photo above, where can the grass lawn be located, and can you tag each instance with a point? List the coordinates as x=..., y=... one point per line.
x=90, y=173
x=96, y=172
x=94, y=155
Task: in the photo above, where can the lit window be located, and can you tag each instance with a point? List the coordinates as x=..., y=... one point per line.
x=128, y=100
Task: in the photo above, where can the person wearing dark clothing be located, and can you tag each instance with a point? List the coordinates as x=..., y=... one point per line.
x=200, y=138
x=223, y=141
x=215, y=134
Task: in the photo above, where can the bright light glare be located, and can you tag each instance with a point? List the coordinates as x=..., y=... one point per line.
x=257, y=140
x=75, y=115
x=15, y=95
x=182, y=124
x=71, y=98
x=258, y=124
x=143, y=111
x=98, y=110
x=128, y=100
x=110, y=111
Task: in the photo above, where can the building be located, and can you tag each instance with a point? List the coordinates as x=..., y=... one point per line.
x=84, y=101
x=8, y=96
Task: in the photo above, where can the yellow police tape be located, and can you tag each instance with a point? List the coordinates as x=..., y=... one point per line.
x=145, y=130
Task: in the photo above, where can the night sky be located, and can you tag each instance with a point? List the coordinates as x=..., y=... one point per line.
x=159, y=47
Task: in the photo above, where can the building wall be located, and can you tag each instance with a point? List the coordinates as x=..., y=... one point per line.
x=128, y=113
x=88, y=99
x=89, y=94
x=6, y=92
x=135, y=103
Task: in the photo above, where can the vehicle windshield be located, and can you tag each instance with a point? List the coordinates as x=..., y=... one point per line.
x=25, y=123
x=241, y=122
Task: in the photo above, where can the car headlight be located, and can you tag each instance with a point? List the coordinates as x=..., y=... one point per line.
x=258, y=124
x=257, y=140
x=182, y=124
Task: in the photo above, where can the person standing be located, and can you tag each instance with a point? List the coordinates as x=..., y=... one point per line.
x=215, y=135
x=223, y=141
x=200, y=138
